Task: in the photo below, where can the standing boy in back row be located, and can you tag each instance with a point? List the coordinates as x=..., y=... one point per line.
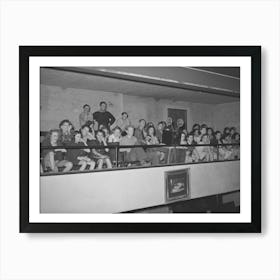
x=103, y=117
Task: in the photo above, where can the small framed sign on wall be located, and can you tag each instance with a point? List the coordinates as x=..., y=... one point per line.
x=177, y=184
x=97, y=164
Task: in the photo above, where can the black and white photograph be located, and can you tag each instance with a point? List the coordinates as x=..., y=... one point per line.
x=139, y=140
x=147, y=134
x=123, y=119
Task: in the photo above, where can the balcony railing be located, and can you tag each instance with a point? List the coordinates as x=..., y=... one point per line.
x=173, y=155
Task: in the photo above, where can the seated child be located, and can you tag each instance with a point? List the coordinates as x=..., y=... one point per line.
x=101, y=154
x=80, y=156
x=116, y=136
x=191, y=153
x=227, y=149
x=54, y=158
x=114, y=140
x=204, y=152
x=151, y=139
x=223, y=154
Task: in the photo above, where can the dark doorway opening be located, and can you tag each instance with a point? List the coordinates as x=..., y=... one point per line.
x=176, y=114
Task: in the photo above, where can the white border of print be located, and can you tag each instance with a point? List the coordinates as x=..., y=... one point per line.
x=245, y=129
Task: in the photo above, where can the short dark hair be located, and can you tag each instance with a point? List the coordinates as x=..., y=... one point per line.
x=226, y=135
x=125, y=113
x=234, y=135
x=63, y=122
x=102, y=102
x=83, y=126
x=86, y=105
x=48, y=136
x=196, y=125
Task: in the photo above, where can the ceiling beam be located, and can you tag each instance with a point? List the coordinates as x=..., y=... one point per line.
x=149, y=80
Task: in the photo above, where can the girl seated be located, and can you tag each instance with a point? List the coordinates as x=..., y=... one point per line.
x=106, y=133
x=222, y=153
x=196, y=136
x=191, y=152
x=159, y=131
x=87, y=134
x=228, y=149
x=116, y=136
x=151, y=139
x=54, y=158
x=80, y=157
x=204, y=152
x=101, y=154
x=114, y=140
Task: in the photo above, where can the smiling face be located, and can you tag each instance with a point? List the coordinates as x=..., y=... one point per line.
x=151, y=131
x=86, y=109
x=99, y=136
x=54, y=137
x=180, y=123
x=124, y=116
x=169, y=121
x=190, y=139
x=130, y=131
x=117, y=133
x=103, y=107
x=203, y=130
x=77, y=138
x=65, y=127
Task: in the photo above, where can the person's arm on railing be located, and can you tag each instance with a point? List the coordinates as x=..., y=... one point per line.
x=98, y=154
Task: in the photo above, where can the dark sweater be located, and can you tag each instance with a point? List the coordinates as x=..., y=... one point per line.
x=104, y=118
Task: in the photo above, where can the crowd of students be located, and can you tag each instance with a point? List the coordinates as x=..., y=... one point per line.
x=100, y=131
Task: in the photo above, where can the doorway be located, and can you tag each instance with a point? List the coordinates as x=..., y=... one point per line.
x=176, y=114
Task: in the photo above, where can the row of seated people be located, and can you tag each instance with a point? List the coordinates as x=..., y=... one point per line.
x=66, y=157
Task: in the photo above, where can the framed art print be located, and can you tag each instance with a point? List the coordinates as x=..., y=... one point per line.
x=177, y=184
x=170, y=133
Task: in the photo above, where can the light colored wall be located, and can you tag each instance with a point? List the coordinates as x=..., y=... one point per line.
x=126, y=190
x=58, y=104
x=227, y=114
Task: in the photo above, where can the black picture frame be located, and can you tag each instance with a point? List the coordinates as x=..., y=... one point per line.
x=25, y=52
x=177, y=185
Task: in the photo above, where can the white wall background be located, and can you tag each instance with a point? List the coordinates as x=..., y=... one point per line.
x=58, y=103
x=138, y=256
